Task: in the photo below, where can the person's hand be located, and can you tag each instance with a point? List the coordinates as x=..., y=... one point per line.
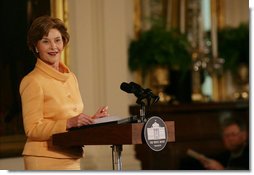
x=78, y=121
x=212, y=164
x=101, y=112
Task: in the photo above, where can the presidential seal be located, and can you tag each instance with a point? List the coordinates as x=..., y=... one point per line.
x=155, y=133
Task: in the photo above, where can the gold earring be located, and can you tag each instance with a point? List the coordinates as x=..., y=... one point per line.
x=36, y=50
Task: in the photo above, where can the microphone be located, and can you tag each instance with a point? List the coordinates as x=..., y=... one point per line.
x=132, y=87
x=139, y=92
x=126, y=87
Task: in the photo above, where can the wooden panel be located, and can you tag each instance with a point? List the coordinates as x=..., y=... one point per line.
x=112, y=134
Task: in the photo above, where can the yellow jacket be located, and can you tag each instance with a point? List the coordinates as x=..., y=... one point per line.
x=49, y=98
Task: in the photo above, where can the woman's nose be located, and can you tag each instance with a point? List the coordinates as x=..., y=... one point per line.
x=53, y=45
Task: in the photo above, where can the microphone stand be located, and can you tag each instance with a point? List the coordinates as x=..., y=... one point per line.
x=148, y=96
x=142, y=113
x=142, y=110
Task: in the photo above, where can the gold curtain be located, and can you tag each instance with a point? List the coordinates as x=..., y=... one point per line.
x=59, y=10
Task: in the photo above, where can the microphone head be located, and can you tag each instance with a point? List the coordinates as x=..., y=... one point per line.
x=132, y=87
x=137, y=90
x=135, y=85
x=126, y=87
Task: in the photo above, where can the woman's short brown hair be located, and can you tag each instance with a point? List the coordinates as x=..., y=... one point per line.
x=41, y=26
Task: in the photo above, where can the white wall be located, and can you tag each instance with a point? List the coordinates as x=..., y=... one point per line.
x=98, y=52
x=12, y=163
x=99, y=32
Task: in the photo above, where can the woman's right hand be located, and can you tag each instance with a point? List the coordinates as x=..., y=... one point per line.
x=78, y=121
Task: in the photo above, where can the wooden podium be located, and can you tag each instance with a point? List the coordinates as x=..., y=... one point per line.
x=109, y=134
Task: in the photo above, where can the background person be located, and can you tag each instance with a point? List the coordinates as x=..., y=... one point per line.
x=235, y=140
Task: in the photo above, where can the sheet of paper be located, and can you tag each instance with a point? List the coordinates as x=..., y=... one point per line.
x=107, y=119
x=196, y=155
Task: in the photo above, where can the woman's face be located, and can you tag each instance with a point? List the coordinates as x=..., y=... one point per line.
x=50, y=47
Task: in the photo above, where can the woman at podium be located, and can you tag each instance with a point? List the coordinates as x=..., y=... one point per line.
x=51, y=100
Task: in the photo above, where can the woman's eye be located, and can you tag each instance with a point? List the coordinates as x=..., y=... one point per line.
x=58, y=40
x=44, y=41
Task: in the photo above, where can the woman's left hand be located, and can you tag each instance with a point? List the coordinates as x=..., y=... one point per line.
x=101, y=112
